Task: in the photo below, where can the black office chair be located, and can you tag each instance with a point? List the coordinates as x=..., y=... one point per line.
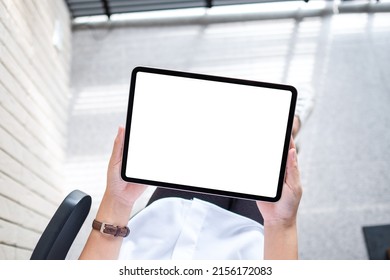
x=63, y=227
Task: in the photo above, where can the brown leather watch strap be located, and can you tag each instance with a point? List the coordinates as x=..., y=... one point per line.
x=110, y=229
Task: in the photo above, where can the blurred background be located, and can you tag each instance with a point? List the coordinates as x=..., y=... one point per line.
x=64, y=81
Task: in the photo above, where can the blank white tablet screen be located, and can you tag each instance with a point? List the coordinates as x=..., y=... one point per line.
x=207, y=134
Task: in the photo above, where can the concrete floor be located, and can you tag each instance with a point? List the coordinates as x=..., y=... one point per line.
x=344, y=145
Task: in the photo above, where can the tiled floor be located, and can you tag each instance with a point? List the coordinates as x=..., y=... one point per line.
x=344, y=145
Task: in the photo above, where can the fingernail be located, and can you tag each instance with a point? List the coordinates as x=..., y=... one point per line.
x=120, y=131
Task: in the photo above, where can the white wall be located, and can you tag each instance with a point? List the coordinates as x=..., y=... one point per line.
x=34, y=93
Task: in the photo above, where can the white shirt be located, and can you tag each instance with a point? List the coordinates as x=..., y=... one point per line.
x=175, y=228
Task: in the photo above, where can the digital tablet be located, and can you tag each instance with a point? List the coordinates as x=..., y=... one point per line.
x=208, y=134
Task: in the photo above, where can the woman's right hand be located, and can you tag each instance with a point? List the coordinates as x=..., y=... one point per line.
x=280, y=218
x=285, y=210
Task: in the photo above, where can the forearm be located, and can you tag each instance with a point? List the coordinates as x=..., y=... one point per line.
x=280, y=242
x=103, y=246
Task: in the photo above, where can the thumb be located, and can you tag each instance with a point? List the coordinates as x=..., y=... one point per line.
x=293, y=176
x=116, y=156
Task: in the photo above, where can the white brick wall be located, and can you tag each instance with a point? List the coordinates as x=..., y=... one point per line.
x=34, y=93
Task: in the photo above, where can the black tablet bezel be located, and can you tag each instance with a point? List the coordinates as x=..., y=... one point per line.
x=217, y=79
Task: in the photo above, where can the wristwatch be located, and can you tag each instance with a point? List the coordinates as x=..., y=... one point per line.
x=110, y=229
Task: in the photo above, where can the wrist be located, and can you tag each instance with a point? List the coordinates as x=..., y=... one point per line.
x=113, y=210
x=280, y=241
x=280, y=224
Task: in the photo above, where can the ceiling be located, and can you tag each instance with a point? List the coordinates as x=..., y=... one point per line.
x=80, y=8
